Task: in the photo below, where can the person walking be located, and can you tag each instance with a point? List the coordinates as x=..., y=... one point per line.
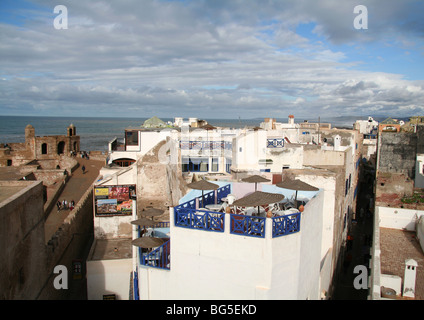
x=58, y=205
x=83, y=169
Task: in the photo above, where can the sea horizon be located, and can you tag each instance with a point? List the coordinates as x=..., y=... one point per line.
x=96, y=132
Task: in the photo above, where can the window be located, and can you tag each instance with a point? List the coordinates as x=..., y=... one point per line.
x=131, y=138
x=44, y=148
x=215, y=165
x=123, y=162
x=195, y=164
x=228, y=163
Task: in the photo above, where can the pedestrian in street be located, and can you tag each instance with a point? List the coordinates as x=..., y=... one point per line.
x=66, y=204
x=349, y=242
x=58, y=205
x=72, y=205
x=83, y=169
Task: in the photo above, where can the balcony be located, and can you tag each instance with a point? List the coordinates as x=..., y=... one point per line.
x=189, y=215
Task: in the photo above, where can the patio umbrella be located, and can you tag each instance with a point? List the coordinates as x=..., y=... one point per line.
x=255, y=179
x=203, y=185
x=151, y=212
x=207, y=127
x=147, y=242
x=144, y=222
x=297, y=185
x=257, y=198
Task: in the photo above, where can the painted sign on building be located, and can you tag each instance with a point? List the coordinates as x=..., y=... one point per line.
x=114, y=200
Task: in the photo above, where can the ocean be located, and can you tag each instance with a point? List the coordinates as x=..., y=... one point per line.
x=95, y=133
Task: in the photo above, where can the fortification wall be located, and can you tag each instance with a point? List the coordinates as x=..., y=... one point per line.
x=70, y=242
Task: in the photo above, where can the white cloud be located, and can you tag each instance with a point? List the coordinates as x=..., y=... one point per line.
x=202, y=56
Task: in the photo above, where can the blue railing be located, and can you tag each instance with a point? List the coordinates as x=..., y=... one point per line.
x=158, y=258
x=195, y=219
x=208, y=198
x=223, y=192
x=187, y=216
x=247, y=225
x=205, y=145
x=285, y=225
x=275, y=143
x=135, y=286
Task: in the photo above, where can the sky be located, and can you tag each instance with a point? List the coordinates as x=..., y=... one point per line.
x=212, y=58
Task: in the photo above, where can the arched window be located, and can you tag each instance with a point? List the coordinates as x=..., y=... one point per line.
x=123, y=162
x=44, y=148
x=61, y=147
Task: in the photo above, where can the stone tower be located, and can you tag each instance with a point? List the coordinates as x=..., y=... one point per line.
x=72, y=130
x=30, y=139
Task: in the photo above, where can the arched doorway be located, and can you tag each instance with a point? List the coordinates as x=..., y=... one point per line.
x=61, y=147
x=44, y=148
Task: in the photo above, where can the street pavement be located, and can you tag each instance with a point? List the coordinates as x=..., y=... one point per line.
x=361, y=231
x=74, y=189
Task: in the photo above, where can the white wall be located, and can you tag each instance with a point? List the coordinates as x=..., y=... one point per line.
x=419, y=172
x=398, y=218
x=211, y=265
x=108, y=277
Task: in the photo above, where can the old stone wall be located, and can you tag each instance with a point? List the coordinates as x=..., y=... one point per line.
x=70, y=242
x=22, y=247
x=397, y=153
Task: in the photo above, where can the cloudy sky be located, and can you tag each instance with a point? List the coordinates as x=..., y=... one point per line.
x=212, y=58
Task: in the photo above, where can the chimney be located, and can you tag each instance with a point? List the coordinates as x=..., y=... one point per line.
x=409, y=278
x=291, y=119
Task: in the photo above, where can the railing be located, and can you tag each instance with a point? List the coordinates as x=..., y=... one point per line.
x=284, y=225
x=187, y=216
x=164, y=224
x=195, y=219
x=158, y=258
x=247, y=225
x=208, y=198
x=136, y=295
x=223, y=192
x=275, y=143
x=205, y=145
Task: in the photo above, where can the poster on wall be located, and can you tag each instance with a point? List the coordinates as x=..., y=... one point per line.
x=114, y=200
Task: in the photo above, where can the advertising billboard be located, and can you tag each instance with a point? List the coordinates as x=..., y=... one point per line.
x=114, y=200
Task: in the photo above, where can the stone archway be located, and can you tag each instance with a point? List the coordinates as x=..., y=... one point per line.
x=61, y=147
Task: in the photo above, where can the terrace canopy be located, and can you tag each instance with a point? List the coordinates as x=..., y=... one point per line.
x=147, y=242
x=203, y=185
x=255, y=179
x=258, y=198
x=295, y=184
x=151, y=212
x=144, y=222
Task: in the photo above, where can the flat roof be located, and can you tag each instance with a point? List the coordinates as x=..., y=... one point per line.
x=396, y=247
x=8, y=191
x=109, y=249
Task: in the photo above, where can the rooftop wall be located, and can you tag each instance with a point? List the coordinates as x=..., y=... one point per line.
x=221, y=265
